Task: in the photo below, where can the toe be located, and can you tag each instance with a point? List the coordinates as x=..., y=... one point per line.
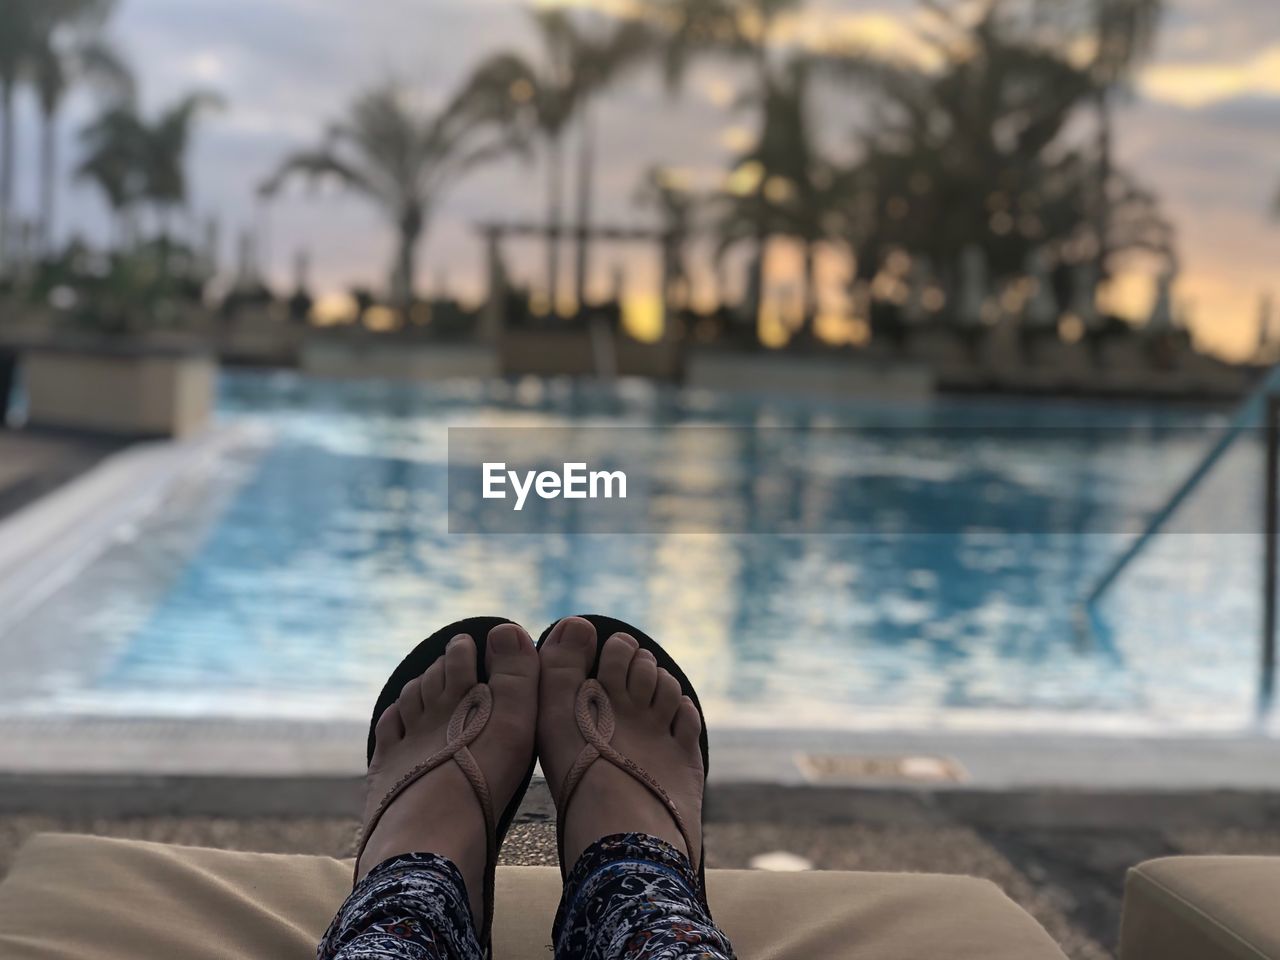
x=388, y=730
x=513, y=667
x=410, y=702
x=512, y=662
x=459, y=667
x=567, y=654
x=642, y=678
x=615, y=661
x=666, y=699
x=433, y=681
x=687, y=725
x=509, y=652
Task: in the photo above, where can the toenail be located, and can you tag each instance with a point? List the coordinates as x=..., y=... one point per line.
x=577, y=631
x=457, y=640
x=505, y=639
x=646, y=655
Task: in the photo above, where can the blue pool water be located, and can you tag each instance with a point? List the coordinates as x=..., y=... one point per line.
x=288, y=578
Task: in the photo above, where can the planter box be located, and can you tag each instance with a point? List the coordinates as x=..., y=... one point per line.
x=548, y=353
x=588, y=353
x=264, y=344
x=388, y=357
x=121, y=390
x=663, y=361
x=838, y=377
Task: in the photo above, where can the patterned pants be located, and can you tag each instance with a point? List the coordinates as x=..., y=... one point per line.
x=629, y=897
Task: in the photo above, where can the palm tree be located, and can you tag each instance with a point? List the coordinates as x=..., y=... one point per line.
x=662, y=191
x=112, y=163
x=576, y=65
x=402, y=159
x=17, y=40
x=138, y=162
x=1120, y=35
x=974, y=155
x=1126, y=37
x=165, y=148
x=743, y=32
x=69, y=47
x=798, y=191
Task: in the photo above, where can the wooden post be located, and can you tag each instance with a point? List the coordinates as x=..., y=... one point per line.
x=495, y=305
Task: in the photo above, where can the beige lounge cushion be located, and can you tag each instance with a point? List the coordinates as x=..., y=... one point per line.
x=87, y=898
x=1202, y=908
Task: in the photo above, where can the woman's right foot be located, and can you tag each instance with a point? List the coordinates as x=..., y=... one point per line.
x=440, y=812
x=656, y=727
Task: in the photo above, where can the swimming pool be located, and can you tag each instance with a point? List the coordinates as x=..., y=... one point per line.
x=285, y=576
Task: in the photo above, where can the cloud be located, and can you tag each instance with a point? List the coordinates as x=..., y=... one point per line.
x=1193, y=85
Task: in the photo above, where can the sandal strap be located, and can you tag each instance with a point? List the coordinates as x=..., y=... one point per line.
x=466, y=723
x=594, y=714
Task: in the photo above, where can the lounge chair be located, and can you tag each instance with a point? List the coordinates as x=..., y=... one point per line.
x=88, y=898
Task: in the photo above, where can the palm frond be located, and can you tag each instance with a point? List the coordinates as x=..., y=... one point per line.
x=107, y=67
x=314, y=165
x=504, y=88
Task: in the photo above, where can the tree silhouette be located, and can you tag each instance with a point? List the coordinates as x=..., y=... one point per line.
x=973, y=154
x=798, y=191
x=18, y=39
x=1111, y=39
x=662, y=191
x=577, y=62
x=68, y=47
x=742, y=32
x=112, y=163
x=401, y=158
x=139, y=163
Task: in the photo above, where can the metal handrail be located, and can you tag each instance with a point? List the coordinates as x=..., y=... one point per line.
x=1271, y=509
x=1251, y=410
x=1262, y=405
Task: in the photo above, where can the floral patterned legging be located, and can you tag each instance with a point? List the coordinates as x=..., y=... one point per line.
x=629, y=897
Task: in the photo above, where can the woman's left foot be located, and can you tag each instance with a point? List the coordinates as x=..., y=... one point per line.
x=656, y=727
x=440, y=813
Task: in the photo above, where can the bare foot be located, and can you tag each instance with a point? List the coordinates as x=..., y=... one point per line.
x=657, y=727
x=440, y=813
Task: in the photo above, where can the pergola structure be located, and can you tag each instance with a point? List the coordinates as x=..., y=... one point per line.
x=496, y=233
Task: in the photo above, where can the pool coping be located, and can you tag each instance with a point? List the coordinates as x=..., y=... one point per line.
x=48, y=542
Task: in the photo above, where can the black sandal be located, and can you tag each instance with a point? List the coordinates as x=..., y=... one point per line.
x=597, y=733
x=468, y=722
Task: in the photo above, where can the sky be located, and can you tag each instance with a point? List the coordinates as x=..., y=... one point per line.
x=1202, y=127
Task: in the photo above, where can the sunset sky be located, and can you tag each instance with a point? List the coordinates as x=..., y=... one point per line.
x=1202, y=128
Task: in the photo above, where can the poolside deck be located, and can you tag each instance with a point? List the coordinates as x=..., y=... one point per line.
x=32, y=463
x=1034, y=760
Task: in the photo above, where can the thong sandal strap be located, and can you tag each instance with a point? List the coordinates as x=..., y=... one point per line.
x=594, y=714
x=468, y=721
